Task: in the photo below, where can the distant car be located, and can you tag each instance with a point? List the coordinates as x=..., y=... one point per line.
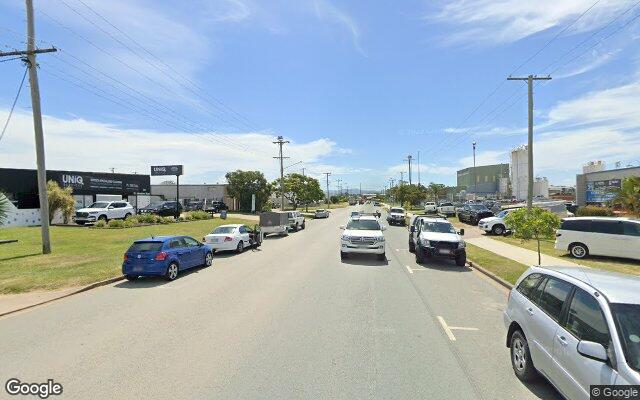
x=430, y=207
x=599, y=236
x=105, y=211
x=473, y=213
x=296, y=220
x=577, y=327
x=495, y=225
x=165, y=256
x=446, y=209
x=376, y=203
x=233, y=237
x=321, y=213
x=163, y=209
x=436, y=237
x=215, y=206
x=194, y=206
x=354, y=214
x=363, y=235
x=396, y=216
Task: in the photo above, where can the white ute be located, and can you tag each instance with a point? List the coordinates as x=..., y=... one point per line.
x=104, y=210
x=430, y=207
x=362, y=235
x=495, y=225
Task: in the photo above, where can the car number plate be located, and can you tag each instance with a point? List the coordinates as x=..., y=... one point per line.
x=444, y=251
x=137, y=269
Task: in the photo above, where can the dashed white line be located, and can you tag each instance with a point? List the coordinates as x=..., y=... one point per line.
x=446, y=329
x=409, y=269
x=463, y=328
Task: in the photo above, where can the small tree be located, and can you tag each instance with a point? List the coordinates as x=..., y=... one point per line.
x=628, y=196
x=536, y=223
x=4, y=207
x=60, y=199
x=299, y=189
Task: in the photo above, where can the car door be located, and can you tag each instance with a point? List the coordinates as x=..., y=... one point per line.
x=632, y=238
x=465, y=212
x=243, y=233
x=543, y=321
x=119, y=209
x=195, y=252
x=177, y=249
x=584, y=321
x=608, y=235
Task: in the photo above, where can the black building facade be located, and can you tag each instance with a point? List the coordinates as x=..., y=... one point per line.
x=21, y=185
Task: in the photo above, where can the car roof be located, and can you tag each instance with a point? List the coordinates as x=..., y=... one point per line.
x=601, y=219
x=434, y=219
x=616, y=287
x=158, y=238
x=229, y=225
x=365, y=217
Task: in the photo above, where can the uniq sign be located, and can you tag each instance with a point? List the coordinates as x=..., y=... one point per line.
x=72, y=180
x=159, y=170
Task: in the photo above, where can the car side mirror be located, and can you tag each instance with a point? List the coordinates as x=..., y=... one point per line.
x=461, y=233
x=342, y=227
x=592, y=350
x=412, y=229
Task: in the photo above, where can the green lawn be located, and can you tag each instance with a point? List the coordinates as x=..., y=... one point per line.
x=505, y=268
x=80, y=255
x=623, y=265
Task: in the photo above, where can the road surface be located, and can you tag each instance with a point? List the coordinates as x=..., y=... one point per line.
x=287, y=321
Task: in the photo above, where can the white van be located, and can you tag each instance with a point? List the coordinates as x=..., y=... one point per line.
x=599, y=236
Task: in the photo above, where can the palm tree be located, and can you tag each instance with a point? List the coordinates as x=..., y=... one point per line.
x=628, y=196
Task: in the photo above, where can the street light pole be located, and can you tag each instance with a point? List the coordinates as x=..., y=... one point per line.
x=475, y=173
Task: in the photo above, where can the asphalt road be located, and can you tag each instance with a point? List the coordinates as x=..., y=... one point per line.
x=289, y=320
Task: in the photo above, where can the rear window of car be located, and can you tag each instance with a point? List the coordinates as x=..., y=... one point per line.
x=553, y=297
x=580, y=225
x=224, y=229
x=145, y=246
x=528, y=284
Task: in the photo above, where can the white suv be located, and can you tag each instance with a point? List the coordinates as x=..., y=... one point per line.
x=296, y=220
x=363, y=235
x=430, y=207
x=577, y=327
x=104, y=210
x=436, y=237
x=495, y=225
x=447, y=209
x=601, y=236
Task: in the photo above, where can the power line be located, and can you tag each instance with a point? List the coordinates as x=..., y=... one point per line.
x=15, y=100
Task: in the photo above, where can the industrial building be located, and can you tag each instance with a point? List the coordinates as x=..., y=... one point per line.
x=519, y=176
x=485, y=180
x=195, y=192
x=597, y=185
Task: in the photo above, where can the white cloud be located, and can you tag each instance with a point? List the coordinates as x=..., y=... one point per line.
x=505, y=21
x=327, y=11
x=77, y=144
x=597, y=61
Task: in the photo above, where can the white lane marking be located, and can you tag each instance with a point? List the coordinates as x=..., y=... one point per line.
x=409, y=269
x=446, y=329
x=463, y=328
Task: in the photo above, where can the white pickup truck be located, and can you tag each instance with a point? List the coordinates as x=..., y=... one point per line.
x=430, y=207
x=447, y=209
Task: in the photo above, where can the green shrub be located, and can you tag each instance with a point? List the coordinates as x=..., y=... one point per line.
x=116, y=223
x=166, y=220
x=146, y=218
x=131, y=222
x=199, y=214
x=593, y=211
x=100, y=224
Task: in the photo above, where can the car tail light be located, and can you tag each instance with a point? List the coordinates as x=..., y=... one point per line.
x=161, y=256
x=126, y=257
x=204, y=239
x=228, y=239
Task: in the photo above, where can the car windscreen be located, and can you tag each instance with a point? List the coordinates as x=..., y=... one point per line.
x=145, y=246
x=439, y=227
x=363, y=224
x=502, y=214
x=397, y=210
x=446, y=205
x=224, y=230
x=478, y=207
x=99, y=204
x=627, y=318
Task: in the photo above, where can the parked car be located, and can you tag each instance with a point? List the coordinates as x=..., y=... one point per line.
x=163, y=209
x=215, y=206
x=105, y=211
x=446, y=209
x=296, y=220
x=274, y=222
x=194, y=205
x=599, y=236
x=430, y=207
x=165, y=256
x=354, y=214
x=233, y=237
x=397, y=216
x=376, y=203
x=437, y=237
x=473, y=213
x=321, y=213
x=362, y=235
x=496, y=225
x=576, y=327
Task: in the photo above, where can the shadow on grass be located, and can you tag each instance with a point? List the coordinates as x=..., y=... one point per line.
x=20, y=256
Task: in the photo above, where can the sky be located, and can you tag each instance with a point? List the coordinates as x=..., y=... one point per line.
x=355, y=87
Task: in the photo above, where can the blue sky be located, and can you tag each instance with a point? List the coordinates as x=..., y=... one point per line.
x=355, y=86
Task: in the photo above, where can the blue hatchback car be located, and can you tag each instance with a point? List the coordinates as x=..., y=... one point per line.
x=165, y=256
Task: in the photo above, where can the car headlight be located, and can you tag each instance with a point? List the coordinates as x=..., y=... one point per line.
x=380, y=239
x=462, y=245
x=424, y=242
x=346, y=237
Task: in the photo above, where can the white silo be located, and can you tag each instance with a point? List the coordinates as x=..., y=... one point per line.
x=518, y=170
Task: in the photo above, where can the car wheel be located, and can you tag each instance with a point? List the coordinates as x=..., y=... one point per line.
x=343, y=255
x=296, y=228
x=460, y=218
x=497, y=230
x=382, y=257
x=303, y=225
x=419, y=255
x=172, y=272
x=240, y=247
x=79, y=223
x=461, y=260
x=131, y=278
x=521, y=358
x=579, y=250
x=412, y=247
x=208, y=259
x=102, y=218
x=127, y=215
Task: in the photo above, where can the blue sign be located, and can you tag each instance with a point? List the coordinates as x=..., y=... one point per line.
x=602, y=191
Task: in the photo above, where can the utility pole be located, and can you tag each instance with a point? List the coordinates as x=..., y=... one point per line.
x=303, y=172
x=401, y=177
x=530, y=80
x=327, y=176
x=360, y=188
x=280, y=142
x=418, y=168
x=30, y=61
x=475, y=173
x=408, y=159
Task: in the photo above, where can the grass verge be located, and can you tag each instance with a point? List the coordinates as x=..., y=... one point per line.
x=503, y=267
x=80, y=255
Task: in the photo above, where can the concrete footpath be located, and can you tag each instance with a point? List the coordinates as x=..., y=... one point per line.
x=515, y=253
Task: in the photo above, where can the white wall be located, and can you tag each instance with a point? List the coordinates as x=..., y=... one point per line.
x=26, y=217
